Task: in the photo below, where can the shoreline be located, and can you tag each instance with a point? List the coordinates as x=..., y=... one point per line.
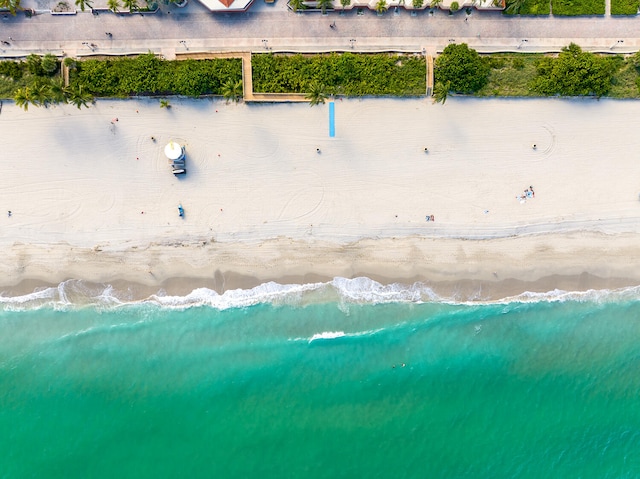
x=460, y=269
x=462, y=291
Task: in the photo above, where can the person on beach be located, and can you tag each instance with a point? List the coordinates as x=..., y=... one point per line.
x=317, y=150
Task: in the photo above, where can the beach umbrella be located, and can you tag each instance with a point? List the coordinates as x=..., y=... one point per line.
x=173, y=150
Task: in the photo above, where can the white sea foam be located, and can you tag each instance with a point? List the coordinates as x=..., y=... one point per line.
x=327, y=335
x=369, y=291
x=40, y=295
x=590, y=295
x=77, y=294
x=270, y=292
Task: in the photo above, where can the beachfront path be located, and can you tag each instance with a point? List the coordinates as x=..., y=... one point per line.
x=263, y=29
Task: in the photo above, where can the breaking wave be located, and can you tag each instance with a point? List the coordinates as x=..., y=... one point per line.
x=77, y=294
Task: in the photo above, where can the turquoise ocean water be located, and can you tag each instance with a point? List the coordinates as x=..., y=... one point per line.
x=348, y=379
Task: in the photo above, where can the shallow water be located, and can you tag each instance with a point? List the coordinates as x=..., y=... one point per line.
x=349, y=379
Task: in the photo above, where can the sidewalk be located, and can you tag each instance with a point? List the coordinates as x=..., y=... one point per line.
x=273, y=28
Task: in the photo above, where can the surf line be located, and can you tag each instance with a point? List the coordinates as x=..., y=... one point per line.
x=332, y=119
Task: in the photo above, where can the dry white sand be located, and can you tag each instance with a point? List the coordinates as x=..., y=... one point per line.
x=95, y=200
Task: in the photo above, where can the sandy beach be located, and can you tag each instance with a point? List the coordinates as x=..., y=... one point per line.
x=94, y=199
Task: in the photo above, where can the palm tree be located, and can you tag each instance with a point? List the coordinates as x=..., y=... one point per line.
x=49, y=63
x=317, y=94
x=34, y=64
x=296, y=5
x=40, y=94
x=345, y=3
x=381, y=6
x=441, y=91
x=84, y=3
x=324, y=5
x=435, y=3
x=131, y=5
x=57, y=92
x=12, y=5
x=113, y=5
x=23, y=97
x=79, y=96
x=232, y=91
x=165, y=104
x=514, y=6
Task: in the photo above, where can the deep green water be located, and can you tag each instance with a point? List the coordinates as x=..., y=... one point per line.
x=538, y=389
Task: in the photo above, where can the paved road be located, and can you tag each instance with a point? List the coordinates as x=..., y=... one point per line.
x=287, y=31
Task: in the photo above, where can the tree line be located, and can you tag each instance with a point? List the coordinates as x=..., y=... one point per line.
x=45, y=84
x=459, y=69
x=573, y=72
x=121, y=77
x=350, y=74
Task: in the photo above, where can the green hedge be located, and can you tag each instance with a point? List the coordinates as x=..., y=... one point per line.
x=341, y=74
x=11, y=78
x=18, y=74
x=625, y=7
x=461, y=69
x=536, y=7
x=624, y=82
x=13, y=70
x=578, y=7
x=575, y=73
x=510, y=74
x=538, y=75
x=528, y=7
x=149, y=75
